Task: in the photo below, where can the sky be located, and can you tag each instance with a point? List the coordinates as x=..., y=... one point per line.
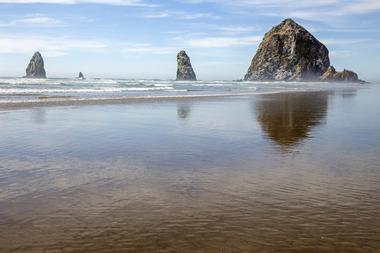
x=140, y=38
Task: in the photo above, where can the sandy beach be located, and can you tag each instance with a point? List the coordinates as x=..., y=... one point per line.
x=286, y=172
x=189, y=126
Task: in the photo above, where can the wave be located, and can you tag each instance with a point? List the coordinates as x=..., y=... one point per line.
x=56, y=81
x=123, y=99
x=11, y=91
x=22, y=90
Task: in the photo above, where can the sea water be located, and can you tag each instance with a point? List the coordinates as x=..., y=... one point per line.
x=14, y=90
x=279, y=172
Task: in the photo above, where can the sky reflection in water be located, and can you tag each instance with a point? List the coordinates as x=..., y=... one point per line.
x=290, y=172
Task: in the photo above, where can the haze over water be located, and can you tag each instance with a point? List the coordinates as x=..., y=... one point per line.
x=277, y=172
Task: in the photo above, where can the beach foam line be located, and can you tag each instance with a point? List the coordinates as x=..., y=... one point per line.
x=130, y=99
x=11, y=91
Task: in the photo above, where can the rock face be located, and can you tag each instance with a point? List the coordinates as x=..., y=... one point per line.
x=289, y=52
x=346, y=75
x=329, y=74
x=81, y=76
x=36, y=67
x=185, y=70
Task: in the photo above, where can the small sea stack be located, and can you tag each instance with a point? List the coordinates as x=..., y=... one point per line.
x=36, y=67
x=185, y=71
x=331, y=75
x=81, y=76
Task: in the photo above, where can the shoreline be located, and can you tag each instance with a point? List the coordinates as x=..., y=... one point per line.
x=127, y=100
x=74, y=101
x=196, y=167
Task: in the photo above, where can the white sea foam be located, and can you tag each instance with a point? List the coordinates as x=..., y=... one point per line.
x=22, y=89
x=94, y=90
x=26, y=81
x=54, y=100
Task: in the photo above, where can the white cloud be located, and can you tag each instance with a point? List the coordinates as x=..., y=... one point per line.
x=336, y=10
x=344, y=41
x=61, y=46
x=237, y=29
x=33, y=20
x=305, y=9
x=269, y=3
x=219, y=42
x=40, y=20
x=198, y=15
x=361, y=7
x=341, y=54
x=157, y=15
x=146, y=48
x=50, y=47
x=109, y=2
x=180, y=15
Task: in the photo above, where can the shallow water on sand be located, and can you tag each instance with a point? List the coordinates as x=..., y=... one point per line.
x=289, y=172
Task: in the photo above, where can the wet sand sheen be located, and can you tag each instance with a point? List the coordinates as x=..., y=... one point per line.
x=295, y=172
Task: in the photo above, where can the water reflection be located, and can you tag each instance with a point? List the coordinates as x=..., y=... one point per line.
x=39, y=116
x=345, y=93
x=183, y=111
x=288, y=118
x=130, y=178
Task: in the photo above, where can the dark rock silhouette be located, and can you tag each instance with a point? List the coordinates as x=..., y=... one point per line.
x=288, y=118
x=81, y=76
x=36, y=67
x=185, y=71
x=183, y=111
x=289, y=52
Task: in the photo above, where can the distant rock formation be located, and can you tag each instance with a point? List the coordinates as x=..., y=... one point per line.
x=36, y=67
x=81, y=76
x=289, y=52
x=331, y=75
x=185, y=71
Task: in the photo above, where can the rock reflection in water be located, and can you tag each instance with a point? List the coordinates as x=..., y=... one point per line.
x=183, y=111
x=39, y=116
x=131, y=178
x=288, y=118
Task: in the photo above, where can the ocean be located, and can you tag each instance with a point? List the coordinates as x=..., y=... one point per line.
x=224, y=167
x=16, y=90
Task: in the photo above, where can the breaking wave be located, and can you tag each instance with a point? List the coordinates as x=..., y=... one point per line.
x=20, y=90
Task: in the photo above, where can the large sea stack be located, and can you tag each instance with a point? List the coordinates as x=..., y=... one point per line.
x=185, y=71
x=36, y=67
x=289, y=52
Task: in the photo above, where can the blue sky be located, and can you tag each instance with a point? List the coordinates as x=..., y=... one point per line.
x=140, y=38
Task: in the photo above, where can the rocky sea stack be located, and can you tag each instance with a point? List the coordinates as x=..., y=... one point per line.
x=185, y=71
x=331, y=75
x=81, y=76
x=36, y=67
x=289, y=52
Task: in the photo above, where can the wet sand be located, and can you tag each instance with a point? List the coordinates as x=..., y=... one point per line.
x=290, y=172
